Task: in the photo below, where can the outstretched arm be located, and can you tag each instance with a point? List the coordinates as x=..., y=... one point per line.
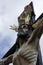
x=36, y=33
x=7, y=60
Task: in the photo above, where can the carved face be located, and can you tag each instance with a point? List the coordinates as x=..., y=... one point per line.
x=24, y=31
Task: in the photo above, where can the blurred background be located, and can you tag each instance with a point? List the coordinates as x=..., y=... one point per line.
x=9, y=12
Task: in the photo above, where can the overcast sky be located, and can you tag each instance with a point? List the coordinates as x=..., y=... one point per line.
x=9, y=11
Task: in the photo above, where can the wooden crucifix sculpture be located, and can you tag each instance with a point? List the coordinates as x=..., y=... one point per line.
x=29, y=33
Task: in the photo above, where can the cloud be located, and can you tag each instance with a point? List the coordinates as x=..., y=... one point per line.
x=5, y=45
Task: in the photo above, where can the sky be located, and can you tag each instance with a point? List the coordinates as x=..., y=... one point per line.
x=9, y=12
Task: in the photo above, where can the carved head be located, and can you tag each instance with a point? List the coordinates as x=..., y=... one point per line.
x=25, y=28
